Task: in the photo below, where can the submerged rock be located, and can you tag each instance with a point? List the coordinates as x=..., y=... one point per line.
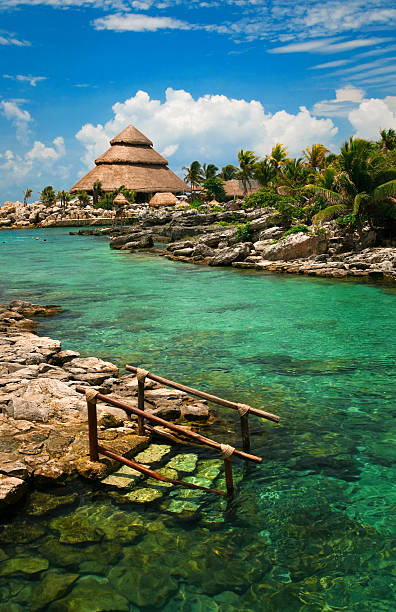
x=91, y=594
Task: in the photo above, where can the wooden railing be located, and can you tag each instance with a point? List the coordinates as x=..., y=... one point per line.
x=143, y=416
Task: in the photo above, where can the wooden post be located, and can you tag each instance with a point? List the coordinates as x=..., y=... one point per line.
x=245, y=432
x=228, y=477
x=92, y=430
x=141, y=430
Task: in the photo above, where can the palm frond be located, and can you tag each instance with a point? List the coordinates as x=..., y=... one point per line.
x=359, y=198
x=328, y=213
x=384, y=191
x=331, y=196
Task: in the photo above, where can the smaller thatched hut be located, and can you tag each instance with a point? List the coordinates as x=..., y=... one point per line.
x=163, y=199
x=120, y=200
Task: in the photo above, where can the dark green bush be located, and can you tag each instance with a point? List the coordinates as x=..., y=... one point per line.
x=296, y=229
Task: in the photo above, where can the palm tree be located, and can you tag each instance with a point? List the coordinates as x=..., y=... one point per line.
x=193, y=174
x=64, y=197
x=83, y=198
x=228, y=172
x=264, y=172
x=361, y=183
x=388, y=139
x=247, y=161
x=97, y=192
x=28, y=194
x=48, y=196
x=315, y=156
x=278, y=155
x=209, y=171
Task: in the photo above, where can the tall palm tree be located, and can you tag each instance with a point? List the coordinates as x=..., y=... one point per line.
x=247, y=161
x=361, y=184
x=278, y=155
x=209, y=171
x=193, y=174
x=315, y=156
x=64, y=197
x=388, y=139
x=264, y=172
x=28, y=194
x=228, y=172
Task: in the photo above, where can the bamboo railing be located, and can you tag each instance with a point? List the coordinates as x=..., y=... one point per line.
x=143, y=416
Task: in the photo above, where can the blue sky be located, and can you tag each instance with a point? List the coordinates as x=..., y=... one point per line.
x=202, y=79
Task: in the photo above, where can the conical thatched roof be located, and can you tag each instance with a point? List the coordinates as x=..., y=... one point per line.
x=120, y=199
x=131, y=161
x=163, y=199
x=234, y=188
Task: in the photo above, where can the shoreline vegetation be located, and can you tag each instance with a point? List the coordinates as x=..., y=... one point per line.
x=321, y=214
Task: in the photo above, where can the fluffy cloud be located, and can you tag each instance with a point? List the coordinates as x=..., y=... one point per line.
x=372, y=115
x=366, y=115
x=38, y=160
x=11, y=40
x=19, y=118
x=211, y=128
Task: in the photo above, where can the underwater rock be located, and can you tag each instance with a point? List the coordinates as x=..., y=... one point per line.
x=91, y=594
x=153, y=453
x=40, y=502
x=142, y=496
x=53, y=585
x=209, y=468
x=76, y=529
x=123, y=478
x=23, y=565
x=24, y=533
x=183, y=463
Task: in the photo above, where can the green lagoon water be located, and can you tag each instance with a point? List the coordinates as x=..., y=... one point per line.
x=312, y=528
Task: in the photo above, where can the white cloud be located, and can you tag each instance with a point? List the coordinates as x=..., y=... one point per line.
x=19, y=118
x=170, y=150
x=40, y=159
x=349, y=94
x=32, y=80
x=11, y=40
x=334, y=64
x=372, y=115
x=327, y=45
x=137, y=22
x=211, y=128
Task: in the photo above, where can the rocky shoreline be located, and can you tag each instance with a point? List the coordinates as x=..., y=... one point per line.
x=43, y=419
x=256, y=240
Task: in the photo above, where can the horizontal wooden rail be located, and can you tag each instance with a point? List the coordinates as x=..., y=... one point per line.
x=153, y=474
x=182, y=430
x=207, y=396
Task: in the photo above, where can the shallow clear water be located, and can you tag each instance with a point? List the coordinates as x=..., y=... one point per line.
x=312, y=528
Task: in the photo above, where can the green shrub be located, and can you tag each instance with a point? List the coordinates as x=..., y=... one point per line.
x=296, y=229
x=244, y=232
x=265, y=198
x=348, y=220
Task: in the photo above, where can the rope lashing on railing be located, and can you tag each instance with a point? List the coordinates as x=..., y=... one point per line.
x=227, y=450
x=91, y=395
x=243, y=409
x=141, y=374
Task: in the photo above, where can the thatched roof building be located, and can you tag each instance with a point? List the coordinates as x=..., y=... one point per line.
x=234, y=188
x=131, y=161
x=164, y=199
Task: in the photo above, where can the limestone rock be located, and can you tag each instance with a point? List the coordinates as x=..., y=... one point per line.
x=11, y=490
x=47, y=399
x=294, y=246
x=226, y=256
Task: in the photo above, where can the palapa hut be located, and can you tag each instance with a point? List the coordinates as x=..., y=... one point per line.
x=132, y=162
x=234, y=188
x=164, y=199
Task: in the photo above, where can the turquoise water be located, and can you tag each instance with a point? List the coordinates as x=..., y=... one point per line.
x=312, y=528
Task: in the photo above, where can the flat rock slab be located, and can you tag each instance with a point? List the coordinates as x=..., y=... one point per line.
x=11, y=490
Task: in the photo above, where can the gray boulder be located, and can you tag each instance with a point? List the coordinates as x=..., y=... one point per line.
x=225, y=257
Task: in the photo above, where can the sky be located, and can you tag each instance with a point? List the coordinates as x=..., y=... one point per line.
x=201, y=79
